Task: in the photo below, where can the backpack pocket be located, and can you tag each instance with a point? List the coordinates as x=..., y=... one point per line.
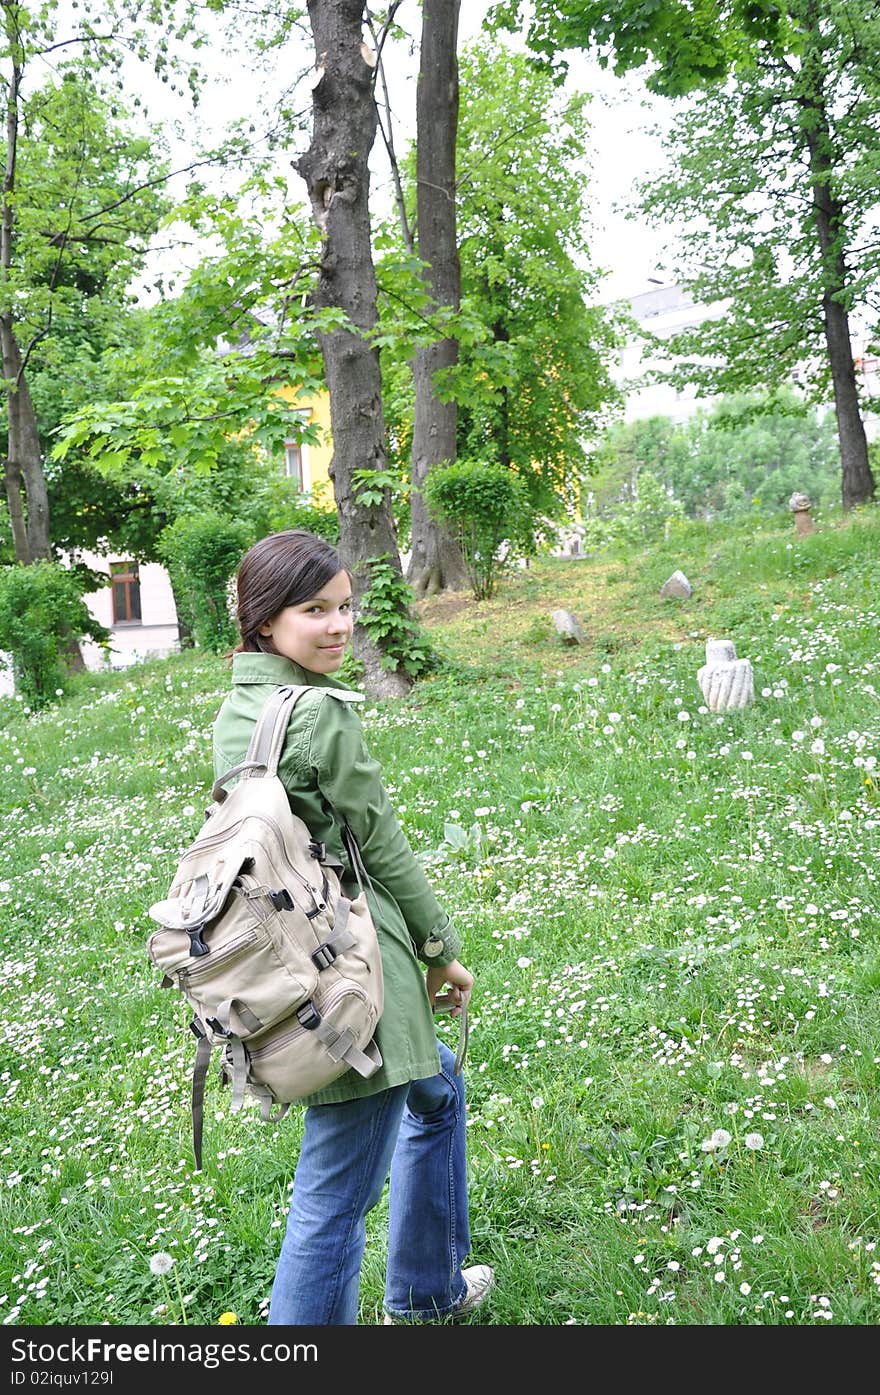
x=293, y=1061
x=243, y=986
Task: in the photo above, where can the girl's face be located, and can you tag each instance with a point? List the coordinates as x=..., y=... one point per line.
x=314, y=633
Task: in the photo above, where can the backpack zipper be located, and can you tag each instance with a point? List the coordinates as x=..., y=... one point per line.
x=219, y=957
x=332, y=1000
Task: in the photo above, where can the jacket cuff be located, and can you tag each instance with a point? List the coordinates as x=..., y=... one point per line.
x=440, y=946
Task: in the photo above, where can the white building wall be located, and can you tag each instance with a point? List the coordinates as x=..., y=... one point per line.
x=661, y=310
x=153, y=636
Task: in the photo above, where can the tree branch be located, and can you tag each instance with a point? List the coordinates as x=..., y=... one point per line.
x=388, y=136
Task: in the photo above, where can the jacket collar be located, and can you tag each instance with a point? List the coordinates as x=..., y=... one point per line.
x=275, y=669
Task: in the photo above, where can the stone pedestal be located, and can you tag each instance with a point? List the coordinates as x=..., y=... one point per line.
x=800, y=505
x=726, y=682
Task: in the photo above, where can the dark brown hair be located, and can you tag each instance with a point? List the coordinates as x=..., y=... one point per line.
x=280, y=570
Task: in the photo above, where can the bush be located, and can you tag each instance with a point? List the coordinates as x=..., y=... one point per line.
x=386, y=616
x=642, y=519
x=202, y=552
x=312, y=517
x=42, y=614
x=489, y=510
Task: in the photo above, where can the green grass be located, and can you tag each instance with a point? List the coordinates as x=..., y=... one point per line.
x=672, y=917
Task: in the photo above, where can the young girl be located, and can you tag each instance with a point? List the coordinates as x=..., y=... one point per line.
x=295, y=618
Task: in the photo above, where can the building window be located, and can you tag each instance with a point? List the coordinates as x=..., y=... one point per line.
x=125, y=587
x=293, y=462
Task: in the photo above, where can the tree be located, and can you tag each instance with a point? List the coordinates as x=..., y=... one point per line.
x=336, y=171
x=772, y=177
x=682, y=44
x=749, y=451
x=531, y=379
x=804, y=71
x=79, y=202
x=537, y=385
x=436, y=561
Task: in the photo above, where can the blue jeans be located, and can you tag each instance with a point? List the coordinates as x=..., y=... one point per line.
x=417, y=1131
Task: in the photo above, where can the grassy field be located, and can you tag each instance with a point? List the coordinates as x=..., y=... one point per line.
x=672, y=917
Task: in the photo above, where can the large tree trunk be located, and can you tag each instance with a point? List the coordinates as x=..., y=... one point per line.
x=436, y=560
x=336, y=171
x=24, y=457
x=24, y=464
x=857, y=481
x=23, y=470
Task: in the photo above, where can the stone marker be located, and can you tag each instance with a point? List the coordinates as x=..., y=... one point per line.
x=800, y=505
x=726, y=682
x=676, y=585
x=568, y=626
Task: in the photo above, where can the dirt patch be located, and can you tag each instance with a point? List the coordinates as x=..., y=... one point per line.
x=436, y=610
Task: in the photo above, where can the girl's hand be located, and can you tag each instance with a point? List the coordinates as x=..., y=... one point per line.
x=460, y=981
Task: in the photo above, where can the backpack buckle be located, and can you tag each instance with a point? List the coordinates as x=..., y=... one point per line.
x=308, y=1016
x=324, y=955
x=318, y=850
x=197, y=946
x=281, y=900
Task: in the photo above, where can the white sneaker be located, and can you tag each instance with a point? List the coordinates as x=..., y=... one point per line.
x=480, y=1280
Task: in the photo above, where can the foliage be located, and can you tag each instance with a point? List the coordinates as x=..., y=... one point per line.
x=385, y=613
x=532, y=373
x=741, y=185
x=202, y=552
x=83, y=195
x=41, y=608
x=310, y=514
x=372, y=486
x=488, y=509
x=645, y=515
x=746, y=451
x=199, y=419
x=684, y=43
x=88, y=198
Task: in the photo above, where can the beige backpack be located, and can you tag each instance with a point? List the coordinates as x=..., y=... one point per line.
x=281, y=970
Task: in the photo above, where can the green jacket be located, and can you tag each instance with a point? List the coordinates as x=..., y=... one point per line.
x=328, y=773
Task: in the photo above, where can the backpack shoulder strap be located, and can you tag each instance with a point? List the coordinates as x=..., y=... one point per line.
x=267, y=738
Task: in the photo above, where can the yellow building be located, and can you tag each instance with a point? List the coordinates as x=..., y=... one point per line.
x=309, y=465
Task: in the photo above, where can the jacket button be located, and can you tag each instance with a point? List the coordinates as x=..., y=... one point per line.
x=432, y=948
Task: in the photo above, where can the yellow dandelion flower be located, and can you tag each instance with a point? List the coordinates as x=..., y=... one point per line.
x=227, y=1319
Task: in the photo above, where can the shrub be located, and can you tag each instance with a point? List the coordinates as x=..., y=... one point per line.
x=202, y=552
x=642, y=519
x=488, y=509
x=42, y=615
x=314, y=518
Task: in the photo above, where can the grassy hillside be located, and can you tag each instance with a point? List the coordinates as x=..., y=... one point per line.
x=672, y=917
